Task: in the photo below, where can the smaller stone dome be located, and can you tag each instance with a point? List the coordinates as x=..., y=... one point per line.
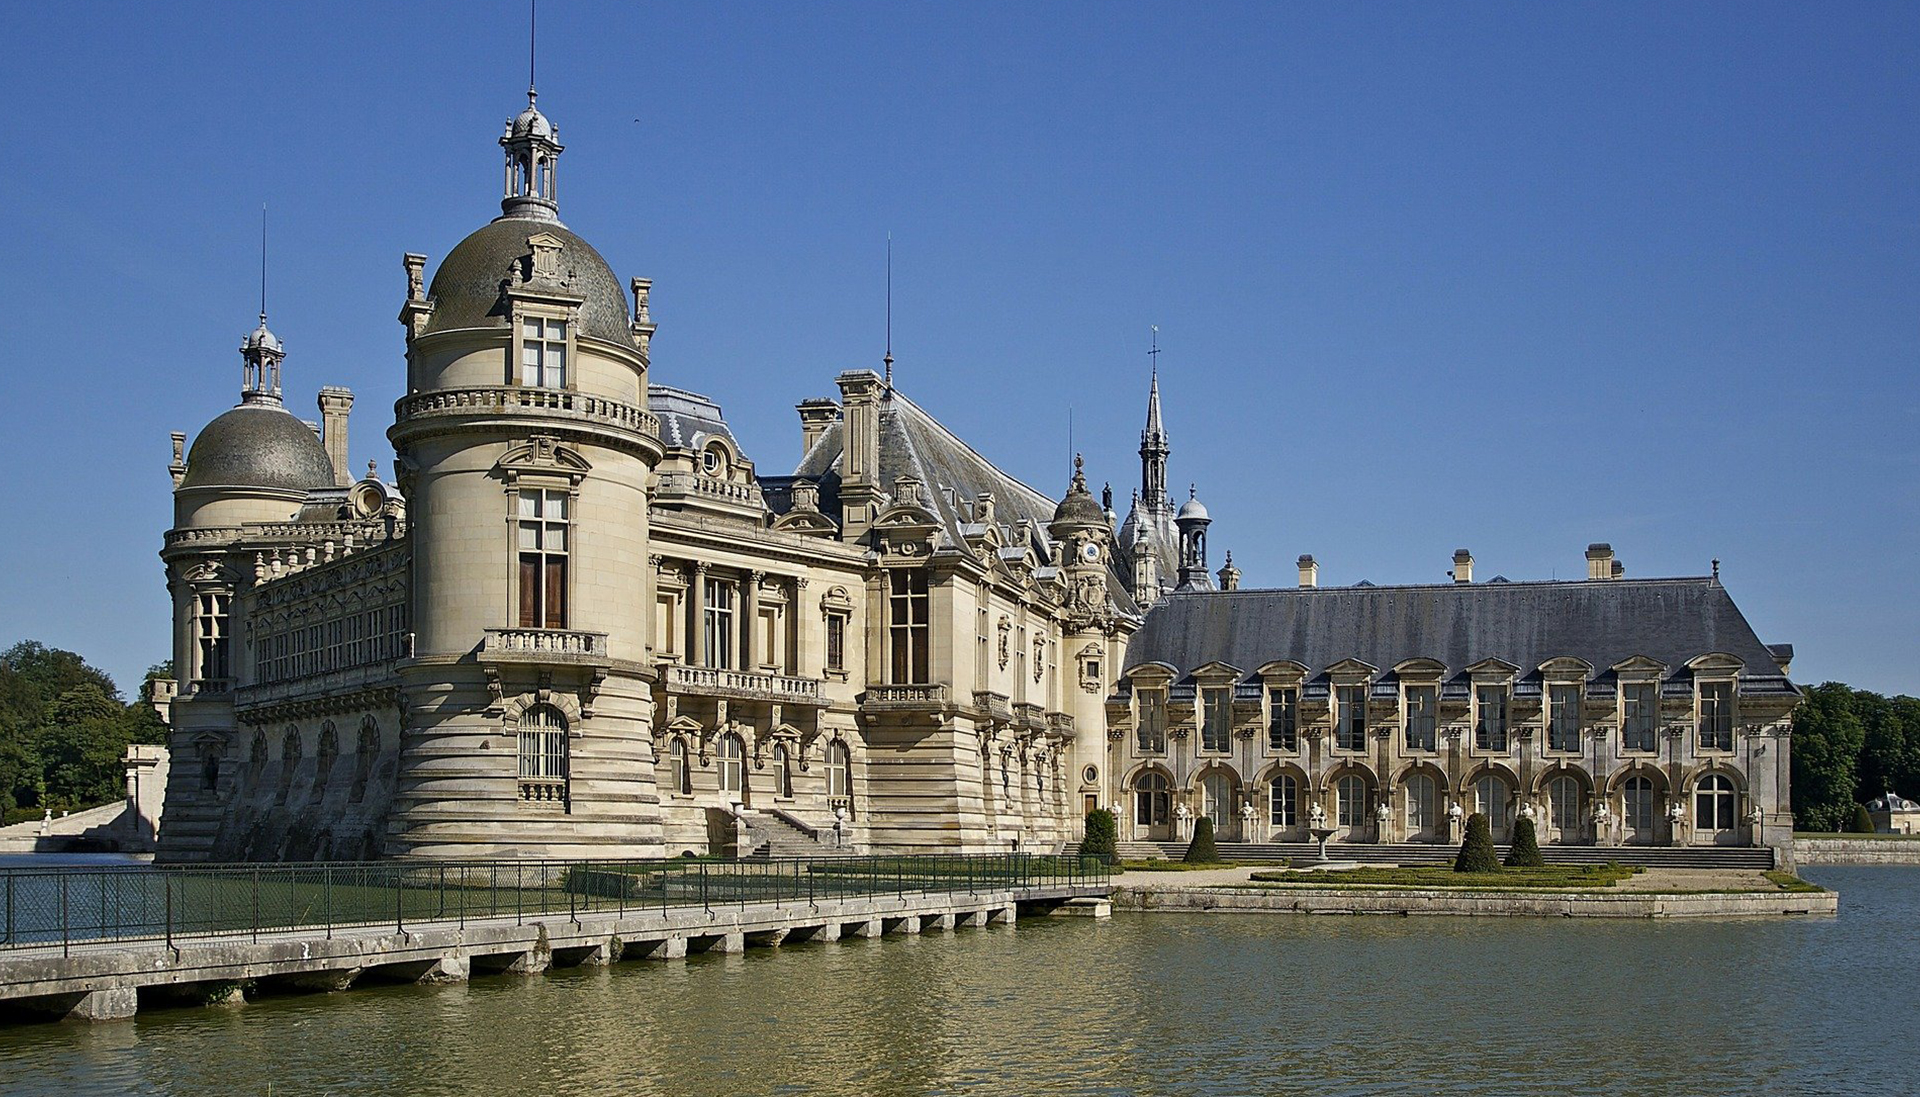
x=262, y=338
x=531, y=123
x=1079, y=508
x=1192, y=510
x=258, y=445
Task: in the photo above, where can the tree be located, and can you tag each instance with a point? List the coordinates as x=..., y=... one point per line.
x=1862, y=822
x=1103, y=837
x=1526, y=848
x=1827, y=742
x=1201, y=851
x=64, y=731
x=1476, y=849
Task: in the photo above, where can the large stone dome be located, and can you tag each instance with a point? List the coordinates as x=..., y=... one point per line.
x=466, y=290
x=258, y=445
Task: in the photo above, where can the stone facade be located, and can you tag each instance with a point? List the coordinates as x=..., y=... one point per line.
x=578, y=621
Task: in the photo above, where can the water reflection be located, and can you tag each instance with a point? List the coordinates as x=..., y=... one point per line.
x=1163, y=1004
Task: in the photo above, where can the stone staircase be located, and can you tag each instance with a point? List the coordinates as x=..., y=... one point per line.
x=1427, y=853
x=776, y=832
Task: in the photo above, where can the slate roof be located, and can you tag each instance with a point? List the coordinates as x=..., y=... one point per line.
x=688, y=419
x=1458, y=624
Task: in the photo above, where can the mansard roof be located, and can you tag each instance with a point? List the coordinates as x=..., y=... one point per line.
x=914, y=443
x=1458, y=624
x=687, y=419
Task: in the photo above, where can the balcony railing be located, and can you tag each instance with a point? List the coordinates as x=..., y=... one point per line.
x=543, y=645
x=743, y=684
x=543, y=790
x=906, y=696
x=507, y=399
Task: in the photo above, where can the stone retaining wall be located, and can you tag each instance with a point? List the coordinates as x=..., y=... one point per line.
x=1485, y=904
x=1840, y=850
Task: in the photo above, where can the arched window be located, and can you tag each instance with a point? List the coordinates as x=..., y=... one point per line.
x=1283, y=801
x=782, y=772
x=1350, y=801
x=543, y=755
x=1713, y=803
x=1639, y=804
x=839, y=771
x=363, y=756
x=1490, y=796
x=1152, y=799
x=1563, y=800
x=324, y=757
x=1423, y=797
x=289, y=758
x=1216, y=798
x=729, y=750
x=679, y=776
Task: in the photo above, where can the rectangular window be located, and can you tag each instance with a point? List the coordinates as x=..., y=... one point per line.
x=665, y=636
x=1350, y=733
x=1563, y=717
x=1490, y=718
x=1283, y=798
x=210, y=625
x=719, y=624
x=543, y=353
x=1283, y=719
x=1423, y=706
x=1152, y=729
x=1716, y=716
x=907, y=628
x=837, y=641
x=1640, y=712
x=543, y=558
x=1216, y=724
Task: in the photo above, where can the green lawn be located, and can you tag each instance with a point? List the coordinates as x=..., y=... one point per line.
x=1182, y=866
x=1517, y=879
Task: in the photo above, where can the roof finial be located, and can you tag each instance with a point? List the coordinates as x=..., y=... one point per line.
x=888, y=360
x=263, y=264
x=1716, y=569
x=1153, y=351
x=1193, y=491
x=533, y=18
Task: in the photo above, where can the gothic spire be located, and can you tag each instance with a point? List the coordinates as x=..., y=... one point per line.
x=1153, y=440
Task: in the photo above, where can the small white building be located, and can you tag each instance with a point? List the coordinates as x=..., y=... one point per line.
x=1893, y=814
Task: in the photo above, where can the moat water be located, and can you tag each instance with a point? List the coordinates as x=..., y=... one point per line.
x=1149, y=1004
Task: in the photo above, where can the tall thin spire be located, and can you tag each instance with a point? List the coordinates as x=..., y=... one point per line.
x=263, y=263
x=1153, y=440
x=261, y=352
x=888, y=360
x=533, y=21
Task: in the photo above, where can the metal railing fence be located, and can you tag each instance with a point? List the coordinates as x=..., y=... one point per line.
x=68, y=906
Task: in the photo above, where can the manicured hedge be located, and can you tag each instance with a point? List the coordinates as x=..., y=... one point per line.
x=1525, y=852
x=1201, y=850
x=1476, y=849
x=1103, y=836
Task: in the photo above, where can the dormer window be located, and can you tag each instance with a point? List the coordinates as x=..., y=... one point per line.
x=1563, y=717
x=1283, y=720
x=713, y=460
x=1639, y=715
x=1351, y=731
x=543, y=352
x=1423, y=707
x=1216, y=719
x=1151, y=728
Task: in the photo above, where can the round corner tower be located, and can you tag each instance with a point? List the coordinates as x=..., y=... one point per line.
x=524, y=448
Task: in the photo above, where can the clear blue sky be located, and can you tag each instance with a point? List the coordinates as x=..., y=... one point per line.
x=1514, y=278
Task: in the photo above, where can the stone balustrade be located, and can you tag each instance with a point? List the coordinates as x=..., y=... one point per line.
x=543, y=645
x=714, y=681
x=514, y=399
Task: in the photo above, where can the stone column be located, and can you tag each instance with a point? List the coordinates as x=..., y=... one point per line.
x=697, y=615
x=749, y=618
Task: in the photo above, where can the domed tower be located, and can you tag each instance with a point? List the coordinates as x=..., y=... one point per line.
x=1092, y=631
x=524, y=448
x=254, y=463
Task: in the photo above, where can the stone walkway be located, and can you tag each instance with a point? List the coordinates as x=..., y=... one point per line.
x=1653, y=879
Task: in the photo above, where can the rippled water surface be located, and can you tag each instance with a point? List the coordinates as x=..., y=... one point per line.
x=1159, y=1004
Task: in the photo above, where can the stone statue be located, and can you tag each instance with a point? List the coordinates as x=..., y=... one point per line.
x=1318, y=816
x=1183, y=819
x=1455, y=811
x=1382, y=812
x=1526, y=809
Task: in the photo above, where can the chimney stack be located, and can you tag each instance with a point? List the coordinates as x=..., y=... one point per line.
x=1600, y=563
x=816, y=415
x=1462, y=566
x=335, y=402
x=1229, y=575
x=1309, y=573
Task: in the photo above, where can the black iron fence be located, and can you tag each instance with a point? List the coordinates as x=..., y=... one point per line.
x=67, y=906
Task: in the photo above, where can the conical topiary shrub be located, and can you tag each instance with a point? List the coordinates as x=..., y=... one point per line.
x=1476, y=849
x=1201, y=851
x=1103, y=839
x=1526, y=849
x=1862, y=822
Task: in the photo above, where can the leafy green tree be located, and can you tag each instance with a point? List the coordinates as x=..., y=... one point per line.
x=1202, y=851
x=1525, y=852
x=1476, y=849
x=1827, y=741
x=64, y=730
x=1103, y=837
x=1862, y=822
